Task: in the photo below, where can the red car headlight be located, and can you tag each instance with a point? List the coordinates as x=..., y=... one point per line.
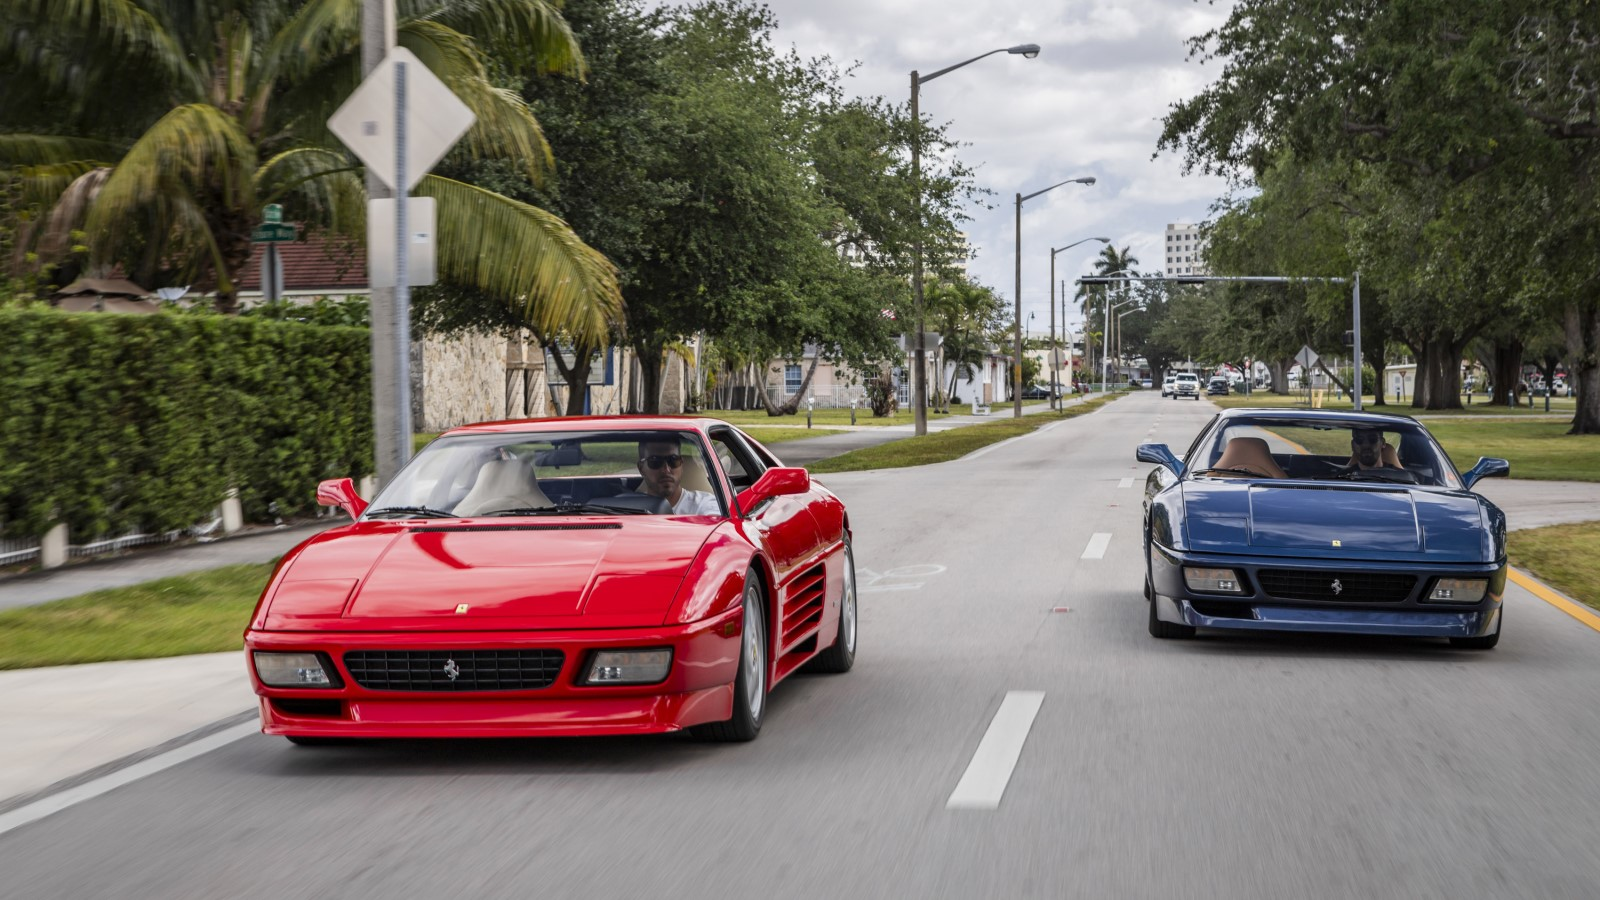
x=629, y=666
x=294, y=670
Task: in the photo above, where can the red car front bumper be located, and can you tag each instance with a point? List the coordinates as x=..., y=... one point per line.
x=698, y=688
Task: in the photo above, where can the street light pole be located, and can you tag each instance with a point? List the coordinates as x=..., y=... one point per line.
x=1055, y=401
x=1016, y=363
x=919, y=379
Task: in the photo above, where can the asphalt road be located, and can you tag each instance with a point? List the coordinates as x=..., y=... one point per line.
x=1260, y=767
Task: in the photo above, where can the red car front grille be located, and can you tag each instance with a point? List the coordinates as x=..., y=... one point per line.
x=454, y=670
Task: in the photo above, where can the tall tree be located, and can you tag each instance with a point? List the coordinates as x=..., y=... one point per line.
x=159, y=127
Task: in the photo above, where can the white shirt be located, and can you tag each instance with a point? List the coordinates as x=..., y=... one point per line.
x=697, y=503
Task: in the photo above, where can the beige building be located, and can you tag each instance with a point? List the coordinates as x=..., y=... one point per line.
x=1185, y=250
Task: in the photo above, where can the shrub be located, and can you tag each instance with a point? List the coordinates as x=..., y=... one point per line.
x=115, y=422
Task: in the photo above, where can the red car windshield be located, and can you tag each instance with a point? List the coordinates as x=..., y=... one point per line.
x=526, y=473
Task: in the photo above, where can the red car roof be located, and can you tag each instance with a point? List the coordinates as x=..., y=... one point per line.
x=595, y=423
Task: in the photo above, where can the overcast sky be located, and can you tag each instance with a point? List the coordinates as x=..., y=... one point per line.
x=1090, y=104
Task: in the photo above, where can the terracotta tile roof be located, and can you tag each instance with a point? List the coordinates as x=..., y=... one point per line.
x=319, y=263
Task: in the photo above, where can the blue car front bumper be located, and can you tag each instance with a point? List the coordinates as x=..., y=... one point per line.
x=1257, y=610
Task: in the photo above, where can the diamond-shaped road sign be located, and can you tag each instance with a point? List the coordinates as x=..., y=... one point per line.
x=1307, y=357
x=435, y=120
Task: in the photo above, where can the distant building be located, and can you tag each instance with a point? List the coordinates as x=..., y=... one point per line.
x=1185, y=252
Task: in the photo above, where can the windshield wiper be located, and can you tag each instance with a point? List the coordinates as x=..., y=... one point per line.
x=412, y=511
x=1234, y=471
x=567, y=509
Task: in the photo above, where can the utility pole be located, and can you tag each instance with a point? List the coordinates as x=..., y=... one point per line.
x=391, y=396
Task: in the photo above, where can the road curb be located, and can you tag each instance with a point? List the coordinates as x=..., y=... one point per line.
x=1555, y=598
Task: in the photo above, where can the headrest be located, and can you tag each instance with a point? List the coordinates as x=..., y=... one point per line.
x=694, y=476
x=502, y=484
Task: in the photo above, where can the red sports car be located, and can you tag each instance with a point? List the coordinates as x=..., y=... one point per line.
x=580, y=576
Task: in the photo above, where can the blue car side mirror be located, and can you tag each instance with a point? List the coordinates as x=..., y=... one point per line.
x=1487, y=467
x=1160, y=455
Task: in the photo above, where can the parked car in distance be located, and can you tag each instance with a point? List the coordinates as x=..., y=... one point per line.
x=1037, y=392
x=1217, y=385
x=1186, y=385
x=1146, y=383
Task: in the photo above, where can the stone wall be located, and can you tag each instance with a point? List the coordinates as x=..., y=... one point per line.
x=465, y=379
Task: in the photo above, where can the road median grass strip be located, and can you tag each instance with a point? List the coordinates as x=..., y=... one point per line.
x=1566, y=557
x=947, y=445
x=205, y=612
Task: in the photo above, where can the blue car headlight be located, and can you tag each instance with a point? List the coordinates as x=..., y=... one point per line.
x=1212, y=581
x=1458, y=590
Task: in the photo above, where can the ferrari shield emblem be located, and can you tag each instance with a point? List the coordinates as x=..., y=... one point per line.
x=1335, y=543
x=461, y=608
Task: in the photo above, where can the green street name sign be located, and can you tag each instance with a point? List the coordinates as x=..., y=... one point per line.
x=272, y=233
x=272, y=214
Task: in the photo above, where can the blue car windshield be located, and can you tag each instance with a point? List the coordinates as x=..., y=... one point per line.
x=1324, y=450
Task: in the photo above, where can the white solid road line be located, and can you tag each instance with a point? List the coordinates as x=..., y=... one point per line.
x=54, y=803
x=984, y=782
x=1097, y=545
x=1126, y=482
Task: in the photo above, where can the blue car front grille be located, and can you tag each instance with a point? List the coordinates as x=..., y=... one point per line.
x=1334, y=586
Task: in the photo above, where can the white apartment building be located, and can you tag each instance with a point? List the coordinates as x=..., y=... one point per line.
x=1185, y=253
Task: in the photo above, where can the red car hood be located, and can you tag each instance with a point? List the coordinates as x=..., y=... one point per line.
x=474, y=576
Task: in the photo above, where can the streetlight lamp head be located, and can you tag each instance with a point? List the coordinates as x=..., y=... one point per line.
x=1088, y=180
x=1104, y=240
x=1028, y=51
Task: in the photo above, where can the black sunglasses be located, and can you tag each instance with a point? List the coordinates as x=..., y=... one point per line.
x=672, y=460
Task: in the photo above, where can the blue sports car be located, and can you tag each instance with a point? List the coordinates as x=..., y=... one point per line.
x=1310, y=520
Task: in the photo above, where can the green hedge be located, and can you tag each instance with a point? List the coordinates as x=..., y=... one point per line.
x=112, y=422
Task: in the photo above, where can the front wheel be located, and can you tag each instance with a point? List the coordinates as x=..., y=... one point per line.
x=750, y=685
x=838, y=658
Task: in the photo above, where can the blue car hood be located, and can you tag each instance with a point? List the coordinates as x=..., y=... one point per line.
x=1336, y=521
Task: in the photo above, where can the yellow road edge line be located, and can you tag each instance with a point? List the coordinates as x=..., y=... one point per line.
x=1544, y=592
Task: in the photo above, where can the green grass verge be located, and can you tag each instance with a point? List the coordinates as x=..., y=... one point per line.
x=778, y=435
x=205, y=612
x=822, y=417
x=1538, y=450
x=1480, y=407
x=947, y=445
x=1567, y=557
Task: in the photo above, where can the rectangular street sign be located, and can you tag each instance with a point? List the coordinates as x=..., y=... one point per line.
x=272, y=213
x=420, y=216
x=273, y=233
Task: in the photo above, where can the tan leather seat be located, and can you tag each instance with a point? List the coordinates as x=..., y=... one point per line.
x=503, y=484
x=1251, y=454
x=694, y=476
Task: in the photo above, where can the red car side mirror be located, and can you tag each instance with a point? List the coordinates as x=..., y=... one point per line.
x=341, y=492
x=775, y=482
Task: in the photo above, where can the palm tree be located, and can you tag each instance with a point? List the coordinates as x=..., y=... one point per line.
x=157, y=129
x=1092, y=302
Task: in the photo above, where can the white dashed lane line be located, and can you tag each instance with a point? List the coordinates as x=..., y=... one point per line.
x=1126, y=482
x=984, y=782
x=1097, y=545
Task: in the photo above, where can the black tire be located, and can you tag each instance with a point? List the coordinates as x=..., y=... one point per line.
x=1167, y=631
x=837, y=659
x=1486, y=642
x=749, y=702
